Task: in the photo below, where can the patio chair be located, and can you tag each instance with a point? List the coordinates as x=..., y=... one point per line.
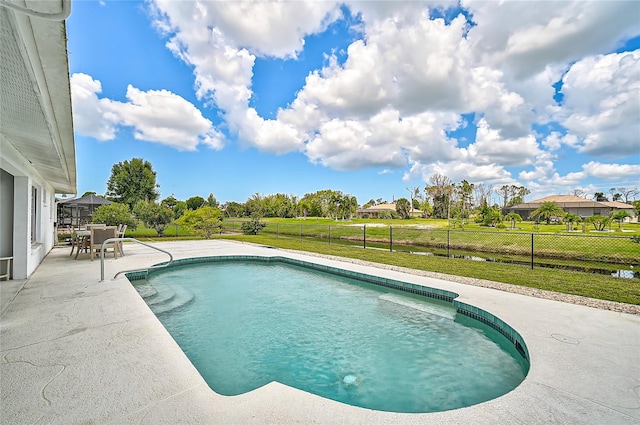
x=76, y=241
x=120, y=234
x=99, y=235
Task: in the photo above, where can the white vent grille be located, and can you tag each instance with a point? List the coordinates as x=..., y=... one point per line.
x=24, y=122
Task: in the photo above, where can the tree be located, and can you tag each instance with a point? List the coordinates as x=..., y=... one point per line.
x=253, y=226
x=599, y=197
x=414, y=195
x=503, y=191
x=619, y=217
x=569, y=219
x=599, y=222
x=132, y=181
x=580, y=193
x=518, y=194
x=195, y=202
x=114, y=214
x=177, y=207
x=628, y=193
x=481, y=193
x=212, y=201
x=512, y=195
x=403, y=208
x=205, y=221
x=615, y=195
x=513, y=218
x=304, y=207
x=153, y=215
x=547, y=210
x=465, y=197
x=426, y=208
x=492, y=217
x=440, y=191
x=169, y=202
x=233, y=209
x=636, y=207
x=253, y=205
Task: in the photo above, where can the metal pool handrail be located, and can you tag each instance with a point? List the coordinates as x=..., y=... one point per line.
x=134, y=270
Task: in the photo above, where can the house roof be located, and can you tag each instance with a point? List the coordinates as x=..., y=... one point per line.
x=385, y=207
x=381, y=207
x=570, y=201
x=37, y=122
x=618, y=205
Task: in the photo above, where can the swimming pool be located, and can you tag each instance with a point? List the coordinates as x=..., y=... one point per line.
x=244, y=322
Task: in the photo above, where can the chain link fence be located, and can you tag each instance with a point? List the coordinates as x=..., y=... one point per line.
x=606, y=254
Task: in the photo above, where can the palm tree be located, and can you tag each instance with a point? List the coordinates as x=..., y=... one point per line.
x=569, y=219
x=599, y=222
x=403, y=208
x=619, y=217
x=546, y=210
x=513, y=217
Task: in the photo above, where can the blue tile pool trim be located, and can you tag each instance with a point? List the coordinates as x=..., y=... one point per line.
x=426, y=291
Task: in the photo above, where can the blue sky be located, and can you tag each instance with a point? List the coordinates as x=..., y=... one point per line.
x=369, y=98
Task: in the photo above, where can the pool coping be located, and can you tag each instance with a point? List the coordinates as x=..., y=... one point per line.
x=75, y=351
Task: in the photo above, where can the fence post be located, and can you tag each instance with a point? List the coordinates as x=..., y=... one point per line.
x=364, y=236
x=532, y=251
x=448, y=243
x=329, y=234
x=276, y=230
x=390, y=238
x=301, y=233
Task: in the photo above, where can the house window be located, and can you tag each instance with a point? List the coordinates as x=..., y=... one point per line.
x=34, y=213
x=596, y=211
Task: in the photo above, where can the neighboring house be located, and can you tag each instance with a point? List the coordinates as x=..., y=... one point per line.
x=376, y=210
x=37, y=149
x=573, y=205
x=618, y=206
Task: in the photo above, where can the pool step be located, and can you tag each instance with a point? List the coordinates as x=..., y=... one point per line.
x=163, y=298
x=145, y=290
x=163, y=295
x=181, y=298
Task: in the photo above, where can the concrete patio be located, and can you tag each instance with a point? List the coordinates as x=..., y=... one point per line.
x=78, y=351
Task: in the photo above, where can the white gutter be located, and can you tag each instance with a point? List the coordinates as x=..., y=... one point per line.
x=58, y=16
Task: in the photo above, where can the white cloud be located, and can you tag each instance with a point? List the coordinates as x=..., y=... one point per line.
x=489, y=174
x=91, y=115
x=265, y=28
x=385, y=139
x=601, y=104
x=545, y=177
x=164, y=117
x=155, y=116
x=611, y=171
x=525, y=37
x=491, y=147
x=384, y=70
x=409, y=79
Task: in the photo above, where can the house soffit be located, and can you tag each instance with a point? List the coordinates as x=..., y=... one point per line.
x=35, y=101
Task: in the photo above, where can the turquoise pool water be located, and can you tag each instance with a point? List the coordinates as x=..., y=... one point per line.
x=246, y=324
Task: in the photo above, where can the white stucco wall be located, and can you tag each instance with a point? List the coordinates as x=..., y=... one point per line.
x=16, y=231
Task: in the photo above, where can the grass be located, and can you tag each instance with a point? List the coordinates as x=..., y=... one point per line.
x=567, y=282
